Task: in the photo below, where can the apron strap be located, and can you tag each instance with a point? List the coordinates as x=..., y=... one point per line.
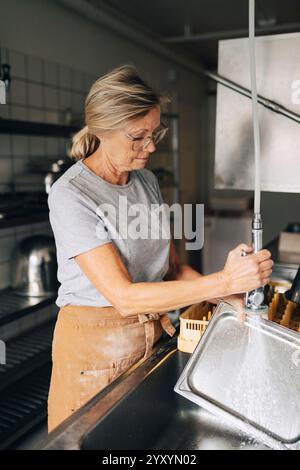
x=148, y=321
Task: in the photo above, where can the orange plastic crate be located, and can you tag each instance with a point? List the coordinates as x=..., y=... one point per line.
x=193, y=323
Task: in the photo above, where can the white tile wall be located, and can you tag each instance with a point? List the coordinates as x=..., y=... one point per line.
x=34, y=69
x=79, y=81
x=64, y=99
x=37, y=146
x=19, y=92
x=64, y=75
x=18, y=112
x=20, y=165
x=63, y=146
x=78, y=103
x=5, y=147
x=17, y=62
x=51, y=95
x=19, y=147
x=52, y=147
x=88, y=82
x=5, y=112
x=36, y=115
x=52, y=117
x=39, y=92
x=35, y=95
x=5, y=170
x=51, y=73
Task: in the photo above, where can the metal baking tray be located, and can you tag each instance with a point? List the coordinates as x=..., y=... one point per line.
x=249, y=373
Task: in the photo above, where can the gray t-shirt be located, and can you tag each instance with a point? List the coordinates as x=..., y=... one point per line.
x=85, y=213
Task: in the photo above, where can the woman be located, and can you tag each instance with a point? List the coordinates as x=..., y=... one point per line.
x=116, y=290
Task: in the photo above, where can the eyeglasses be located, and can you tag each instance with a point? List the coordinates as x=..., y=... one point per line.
x=141, y=143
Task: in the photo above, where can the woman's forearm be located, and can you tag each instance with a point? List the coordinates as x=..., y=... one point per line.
x=151, y=297
x=187, y=273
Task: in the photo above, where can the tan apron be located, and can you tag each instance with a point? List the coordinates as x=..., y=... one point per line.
x=92, y=346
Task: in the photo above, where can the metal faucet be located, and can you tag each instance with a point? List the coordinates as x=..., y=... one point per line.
x=2, y=92
x=5, y=80
x=254, y=300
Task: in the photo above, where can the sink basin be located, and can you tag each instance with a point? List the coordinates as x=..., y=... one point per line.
x=248, y=373
x=154, y=417
x=141, y=411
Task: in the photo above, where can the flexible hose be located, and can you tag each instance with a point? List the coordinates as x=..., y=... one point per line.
x=254, y=107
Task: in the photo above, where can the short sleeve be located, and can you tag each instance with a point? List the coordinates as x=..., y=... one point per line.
x=76, y=226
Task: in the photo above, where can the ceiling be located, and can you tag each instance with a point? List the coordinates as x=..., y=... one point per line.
x=226, y=18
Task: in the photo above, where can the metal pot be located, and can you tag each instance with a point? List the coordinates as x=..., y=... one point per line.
x=35, y=266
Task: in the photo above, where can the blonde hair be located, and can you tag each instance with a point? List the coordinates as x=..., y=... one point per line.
x=115, y=99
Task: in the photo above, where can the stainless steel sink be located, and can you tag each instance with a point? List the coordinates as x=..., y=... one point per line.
x=154, y=417
x=142, y=411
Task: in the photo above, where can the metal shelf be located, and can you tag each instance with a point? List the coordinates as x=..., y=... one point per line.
x=24, y=405
x=14, y=306
x=26, y=353
x=23, y=208
x=24, y=220
x=25, y=382
x=12, y=126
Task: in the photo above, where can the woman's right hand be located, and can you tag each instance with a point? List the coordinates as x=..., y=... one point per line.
x=245, y=273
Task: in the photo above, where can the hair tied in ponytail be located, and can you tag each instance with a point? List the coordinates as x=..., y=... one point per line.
x=84, y=144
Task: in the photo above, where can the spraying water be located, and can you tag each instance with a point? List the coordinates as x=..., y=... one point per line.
x=252, y=371
x=261, y=388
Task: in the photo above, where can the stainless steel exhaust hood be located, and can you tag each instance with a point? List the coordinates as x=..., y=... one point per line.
x=278, y=80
